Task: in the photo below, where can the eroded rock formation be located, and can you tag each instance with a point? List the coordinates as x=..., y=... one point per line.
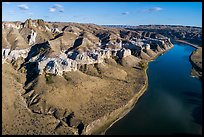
x=72, y=49
x=76, y=57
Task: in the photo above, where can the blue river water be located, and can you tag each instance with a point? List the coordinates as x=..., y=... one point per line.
x=172, y=103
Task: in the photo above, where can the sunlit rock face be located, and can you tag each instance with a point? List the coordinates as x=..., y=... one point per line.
x=57, y=66
x=61, y=47
x=124, y=53
x=32, y=37
x=9, y=55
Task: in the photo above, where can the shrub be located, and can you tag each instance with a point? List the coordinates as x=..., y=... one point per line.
x=48, y=78
x=143, y=65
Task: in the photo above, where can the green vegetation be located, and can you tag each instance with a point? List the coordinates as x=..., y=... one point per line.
x=48, y=78
x=23, y=69
x=143, y=65
x=15, y=65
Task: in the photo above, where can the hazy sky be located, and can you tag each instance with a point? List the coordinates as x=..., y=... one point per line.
x=128, y=13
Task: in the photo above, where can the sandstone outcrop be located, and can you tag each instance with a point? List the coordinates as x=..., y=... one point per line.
x=32, y=37
x=73, y=67
x=73, y=46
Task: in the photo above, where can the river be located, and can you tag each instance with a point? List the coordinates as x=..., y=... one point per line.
x=172, y=103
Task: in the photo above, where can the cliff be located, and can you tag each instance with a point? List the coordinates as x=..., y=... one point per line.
x=75, y=73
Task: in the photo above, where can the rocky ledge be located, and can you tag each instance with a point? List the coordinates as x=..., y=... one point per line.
x=75, y=73
x=82, y=50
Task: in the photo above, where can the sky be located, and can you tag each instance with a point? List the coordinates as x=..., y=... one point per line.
x=107, y=13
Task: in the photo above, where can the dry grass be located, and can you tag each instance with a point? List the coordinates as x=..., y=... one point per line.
x=88, y=96
x=196, y=60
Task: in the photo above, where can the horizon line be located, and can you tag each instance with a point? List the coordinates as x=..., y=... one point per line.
x=111, y=24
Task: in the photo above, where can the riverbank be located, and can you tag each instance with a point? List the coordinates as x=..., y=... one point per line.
x=185, y=42
x=100, y=126
x=196, y=59
x=99, y=95
x=167, y=99
x=106, y=97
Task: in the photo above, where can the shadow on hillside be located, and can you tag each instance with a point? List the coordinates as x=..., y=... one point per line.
x=41, y=50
